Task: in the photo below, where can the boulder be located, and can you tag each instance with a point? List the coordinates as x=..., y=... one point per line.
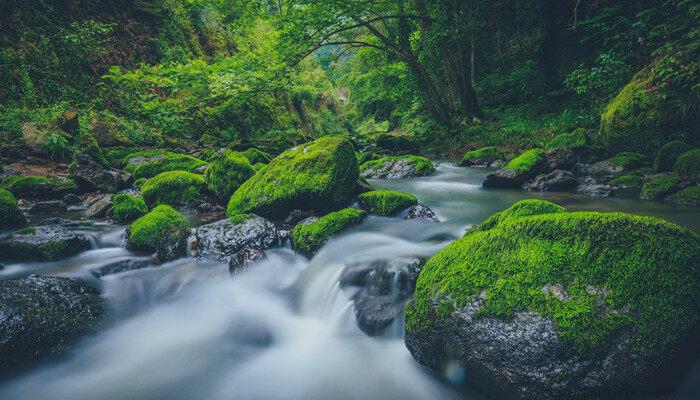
x=320, y=175
x=156, y=163
x=555, y=181
x=244, y=257
x=91, y=176
x=49, y=241
x=99, y=207
x=10, y=214
x=175, y=188
x=559, y=304
x=309, y=237
x=128, y=264
x=47, y=207
x=518, y=170
x=72, y=199
x=397, y=167
x=483, y=157
x=38, y=187
x=127, y=207
x=561, y=158
x=225, y=239
x=688, y=196
x=422, y=213
x=162, y=232
x=659, y=187
x=386, y=202
x=226, y=173
x=42, y=317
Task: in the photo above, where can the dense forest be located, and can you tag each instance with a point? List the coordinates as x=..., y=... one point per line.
x=349, y=199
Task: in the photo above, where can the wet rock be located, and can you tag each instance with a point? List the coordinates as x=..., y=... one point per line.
x=228, y=240
x=554, y=181
x=397, y=167
x=385, y=287
x=129, y=264
x=90, y=175
x=421, y=212
x=50, y=241
x=41, y=317
x=244, y=258
x=296, y=216
x=592, y=188
x=47, y=207
x=72, y=200
x=518, y=171
x=505, y=178
x=99, y=208
x=561, y=158
x=163, y=232
x=601, y=171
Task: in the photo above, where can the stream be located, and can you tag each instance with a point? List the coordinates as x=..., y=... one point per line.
x=283, y=329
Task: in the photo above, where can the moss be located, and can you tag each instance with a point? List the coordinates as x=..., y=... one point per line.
x=386, y=202
x=423, y=166
x=622, y=273
x=642, y=171
x=308, y=238
x=526, y=161
x=483, y=153
x=523, y=208
x=319, y=175
x=575, y=140
x=38, y=187
x=226, y=173
x=659, y=187
x=255, y=156
x=127, y=208
x=259, y=166
x=148, y=153
x=174, y=188
x=157, y=229
x=688, y=165
x=627, y=180
x=628, y=160
x=30, y=230
x=366, y=156
x=116, y=155
x=173, y=162
x=240, y=218
x=667, y=155
x=10, y=215
x=688, y=196
x=139, y=182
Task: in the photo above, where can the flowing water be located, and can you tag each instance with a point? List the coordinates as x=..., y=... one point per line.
x=283, y=329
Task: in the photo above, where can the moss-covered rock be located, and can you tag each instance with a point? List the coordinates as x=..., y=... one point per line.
x=162, y=231
x=176, y=188
x=320, y=175
x=484, y=156
x=631, y=180
x=51, y=240
x=226, y=173
x=171, y=162
x=523, y=208
x=526, y=161
x=659, y=187
x=386, y=202
x=688, y=196
x=667, y=155
x=10, y=215
x=628, y=160
x=127, y=208
x=575, y=140
x=558, y=293
x=365, y=156
x=39, y=187
x=527, y=165
x=397, y=167
x=308, y=238
x=255, y=156
x=688, y=165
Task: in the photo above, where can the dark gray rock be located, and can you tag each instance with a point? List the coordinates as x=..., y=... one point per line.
x=244, y=258
x=48, y=207
x=554, y=181
x=295, y=217
x=128, y=264
x=385, y=287
x=49, y=241
x=224, y=240
x=593, y=188
x=601, y=171
x=100, y=206
x=90, y=175
x=42, y=317
x=561, y=158
x=395, y=168
x=72, y=199
x=421, y=212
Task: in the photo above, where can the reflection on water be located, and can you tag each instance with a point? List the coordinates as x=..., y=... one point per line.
x=281, y=330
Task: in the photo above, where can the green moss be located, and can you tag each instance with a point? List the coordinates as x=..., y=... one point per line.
x=523, y=208
x=308, y=238
x=30, y=230
x=255, y=156
x=38, y=187
x=622, y=273
x=667, y=155
x=575, y=140
x=157, y=229
x=688, y=196
x=688, y=165
x=659, y=187
x=627, y=180
x=628, y=160
x=642, y=171
x=318, y=175
x=148, y=153
x=226, y=173
x=173, y=162
x=139, y=182
x=259, y=166
x=386, y=202
x=482, y=153
x=527, y=161
x=116, y=155
x=366, y=156
x=422, y=165
x=127, y=208
x=174, y=188
x=240, y=218
x=10, y=215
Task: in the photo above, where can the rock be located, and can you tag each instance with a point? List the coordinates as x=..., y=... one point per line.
x=385, y=286
x=49, y=241
x=659, y=187
x=90, y=175
x=10, y=214
x=224, y=239
x=309, y=237
x=484, y=157
x=688, y=165
x=164, y=162
x=518, y=170
x=554, y=181
x=244, y=257
x=667, y=156
x=38, y=187
x=162, y=231
x=42, y=317
x=226, y=173
x=561, y=158
x=504, y=303
x=397, y=167
x=99, y=207
x=386, y=202
x=72, y=200
x=175, y=188
x=421, y=212
x=127, y=208
x=396, y=143
x=320, y=175
x=688, y=196
x=128, y=264
x=295, y=217
x=591, y=188
x=47, y=207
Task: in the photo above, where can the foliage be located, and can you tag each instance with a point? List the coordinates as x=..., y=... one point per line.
x=308, y=238
x=386, y=202
x=575, y=140
x=668, y=154
x=659, y=187
x=127, y=208
x=175, y=188
x=226, y=173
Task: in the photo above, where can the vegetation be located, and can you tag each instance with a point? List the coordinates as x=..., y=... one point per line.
x=575, y=140
x=527, y=161
x=386, y=202
x=226, y=173
x=659, y=187
x=688, y=165
x=667, y=155
x=127, y=208
x=628, y=160
x=627, y=180
x=523, y=208
x=256, y=156
x=38, y=187
x=308, y=238
x=689, y=196
x=10, y=215
x=491, y=153
x=176, y=188
x=421, y=165
x=158, y=229
x=171, y=162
